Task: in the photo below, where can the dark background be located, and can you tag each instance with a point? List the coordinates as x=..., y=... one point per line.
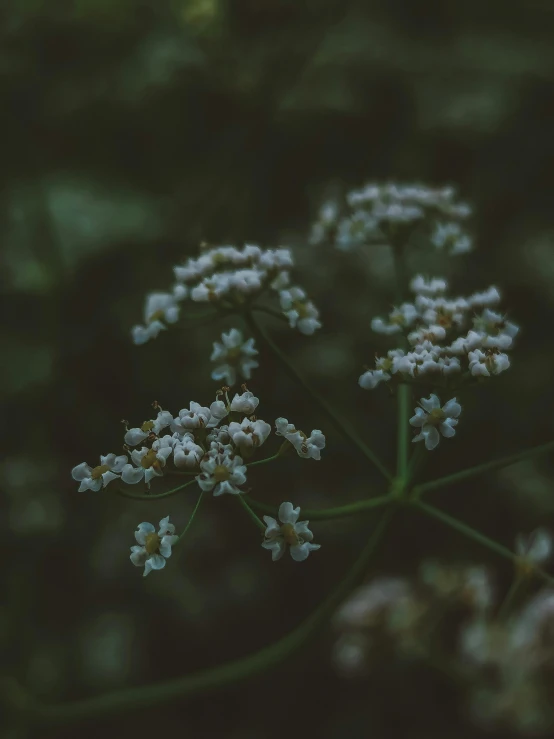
x=131, y=131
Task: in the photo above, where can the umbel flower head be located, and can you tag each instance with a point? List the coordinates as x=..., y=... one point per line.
x=234, y=356
x=228, y=277
x=432, y=419
x=379, y=210
x=290, y=533
x=459, y=338
x=154, y=548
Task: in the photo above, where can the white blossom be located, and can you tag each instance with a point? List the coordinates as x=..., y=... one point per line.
x=248, y=434
x=451, y=237
x=198, y=416
x=148, y=464
x=431, y=287
x=94, y=478
x=222, y=472
x=308, y=447
x=484, y=363
x=135, y=436
x=431, y=418
x=233, y=355
x=186, y=452
x=154, y=548
x=371, y=378
x=159, y=308
x=245, y=403
x=536, y=547
x=300, y=311
x=355, y=230
x=290, y=532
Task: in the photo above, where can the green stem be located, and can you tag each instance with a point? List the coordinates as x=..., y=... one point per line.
x=260, y=524
x=167, y=493
x=230, y=673
x=404, y=396
x=472, y=533
x=270, y=312
x=342, y=425
x=313, y=514
x=263, y=461
x=191, y=519
x=508, y=601
x=482, y=468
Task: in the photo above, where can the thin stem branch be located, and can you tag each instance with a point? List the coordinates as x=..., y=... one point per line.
x=472, y=533
x=167, y=493
x=269, y=311
x=230, y=673
x=313, y=514
x=263, y=461
x=403, y=440
x=342, y=425
x=259, y=523
x=191, y=519
x=481, y=469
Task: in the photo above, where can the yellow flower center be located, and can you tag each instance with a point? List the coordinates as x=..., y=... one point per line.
x=150, y=460
x=233, y=354
x=289, y=534
x=437, y=415
x=156, y=316
x=221, y=473
x=97, y=472
x=300, y=308
x=152, y=543
x=147, y=426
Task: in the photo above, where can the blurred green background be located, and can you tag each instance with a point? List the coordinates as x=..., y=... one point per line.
x=133, y=130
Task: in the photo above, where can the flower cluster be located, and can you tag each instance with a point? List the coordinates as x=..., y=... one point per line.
x=383, y=210
x=394, y=614
x=448, y=338
x=198, y=442
x=230, y=278
x=449, y=616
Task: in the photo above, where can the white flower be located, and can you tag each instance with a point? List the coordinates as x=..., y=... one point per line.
x=451, y=236
x=158, y=307
x=428, y=287
x=137, y=435
x=154, y=548
x=291, y=532
x=355, y=230
x=248, y=434
x=245, y=403
x=536, y=547
x=372, y=378
x=198, y=416
x=399, y=318
x=427, y=333
x=308, y=447
x=186, y=452
x=222, y=472
x=431, y=418
x=234, y=354
x=148, y=464
x=300, y=311
x=491, y=296
x=95, y=478
x=483, y=363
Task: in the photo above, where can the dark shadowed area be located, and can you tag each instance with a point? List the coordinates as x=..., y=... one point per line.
x=131, y=132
